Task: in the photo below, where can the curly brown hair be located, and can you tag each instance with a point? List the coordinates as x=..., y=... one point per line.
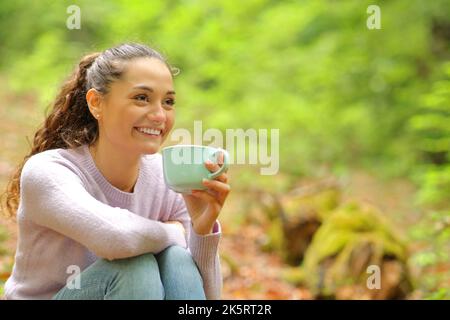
x=70, y=123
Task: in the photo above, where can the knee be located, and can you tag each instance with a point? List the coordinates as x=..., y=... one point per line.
x=139, y=269
x=177, y=262
x=142, y=262
x=176, y=255
x=180, y=275
x=138, y=276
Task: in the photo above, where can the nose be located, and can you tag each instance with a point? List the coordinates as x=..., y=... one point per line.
x=157, y=114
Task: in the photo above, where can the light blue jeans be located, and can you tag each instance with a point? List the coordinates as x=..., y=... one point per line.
x=171, y=275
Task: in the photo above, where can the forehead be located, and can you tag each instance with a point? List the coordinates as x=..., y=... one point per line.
x=150, y=71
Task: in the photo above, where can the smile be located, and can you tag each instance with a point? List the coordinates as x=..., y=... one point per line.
x=149, y=131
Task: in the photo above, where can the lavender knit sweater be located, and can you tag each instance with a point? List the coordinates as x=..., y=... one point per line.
x=69, y=214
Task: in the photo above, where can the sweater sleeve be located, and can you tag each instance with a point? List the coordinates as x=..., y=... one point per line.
x=53, y=196
x=204, y=251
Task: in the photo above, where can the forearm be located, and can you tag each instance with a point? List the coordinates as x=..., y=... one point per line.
x=204, y=250
x=54, y=197
x=114, y=234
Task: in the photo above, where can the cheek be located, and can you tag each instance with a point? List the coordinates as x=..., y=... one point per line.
x=170, y=120
x=119, y=121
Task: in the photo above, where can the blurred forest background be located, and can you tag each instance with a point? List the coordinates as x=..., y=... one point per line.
x=364, y=120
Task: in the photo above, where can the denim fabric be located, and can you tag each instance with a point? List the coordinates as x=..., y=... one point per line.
x=171, y=275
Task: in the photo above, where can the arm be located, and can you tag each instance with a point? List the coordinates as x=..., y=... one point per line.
x=53, y=196
x=204, y=251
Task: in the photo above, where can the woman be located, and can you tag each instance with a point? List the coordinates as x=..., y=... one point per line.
x=90, y=197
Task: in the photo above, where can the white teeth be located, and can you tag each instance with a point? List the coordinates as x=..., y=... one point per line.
x=149, y=131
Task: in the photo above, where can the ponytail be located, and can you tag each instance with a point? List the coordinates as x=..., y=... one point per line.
x=70, y=124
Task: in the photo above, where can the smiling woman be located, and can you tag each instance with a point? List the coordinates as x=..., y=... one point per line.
x=91, y=193
x=135, y=114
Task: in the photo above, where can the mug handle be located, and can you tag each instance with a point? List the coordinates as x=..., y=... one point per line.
x=223, y=168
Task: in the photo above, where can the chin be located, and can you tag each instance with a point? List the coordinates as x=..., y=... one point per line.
x=150, y=149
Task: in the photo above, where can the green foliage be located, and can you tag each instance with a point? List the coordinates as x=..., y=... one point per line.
x=349, y=229
x=313, y=206
x=346, y=225
x=338, y=92
x=3, y=237
x=434, y=233
x=441, y=294
x=432, y=131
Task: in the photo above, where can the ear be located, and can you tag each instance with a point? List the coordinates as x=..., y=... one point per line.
x=94, y=101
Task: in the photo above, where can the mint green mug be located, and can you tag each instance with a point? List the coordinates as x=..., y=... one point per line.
x=184, y=166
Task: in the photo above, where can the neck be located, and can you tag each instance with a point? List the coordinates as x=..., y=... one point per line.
x=119, y=168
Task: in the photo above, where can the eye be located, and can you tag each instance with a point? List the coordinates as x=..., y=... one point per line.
x=170, y=102
x=141, y=97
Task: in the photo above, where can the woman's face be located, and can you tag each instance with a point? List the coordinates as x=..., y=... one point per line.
x=138, y=113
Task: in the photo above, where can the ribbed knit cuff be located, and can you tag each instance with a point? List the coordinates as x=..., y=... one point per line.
x=204, y=248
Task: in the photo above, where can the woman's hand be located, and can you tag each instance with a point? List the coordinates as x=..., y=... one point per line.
x=204, y=205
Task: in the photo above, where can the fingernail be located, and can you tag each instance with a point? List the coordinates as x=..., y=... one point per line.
x=204, y=180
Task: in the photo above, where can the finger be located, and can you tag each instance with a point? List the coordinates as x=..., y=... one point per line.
x=220, y=159
x=211, y=166
x=205, y=196
x=222, y=178
x=216, y=185
x=220, y=189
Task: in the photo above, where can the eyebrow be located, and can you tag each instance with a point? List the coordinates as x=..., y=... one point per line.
x=144, y=87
